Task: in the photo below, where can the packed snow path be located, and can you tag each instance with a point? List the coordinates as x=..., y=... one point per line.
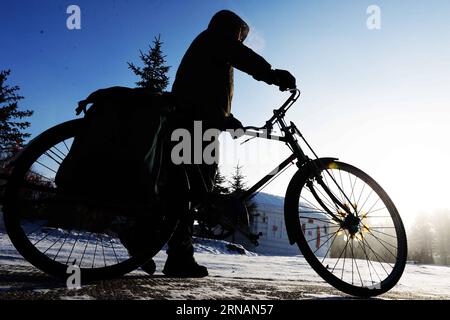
x=232, y=276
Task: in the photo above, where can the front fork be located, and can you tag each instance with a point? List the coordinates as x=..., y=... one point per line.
x=304, y=159
x=337, y=203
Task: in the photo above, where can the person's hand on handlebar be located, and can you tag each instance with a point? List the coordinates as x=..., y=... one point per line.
x=283, y=79
x=234, y=124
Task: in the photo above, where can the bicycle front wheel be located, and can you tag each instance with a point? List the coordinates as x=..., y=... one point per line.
x=347, y=228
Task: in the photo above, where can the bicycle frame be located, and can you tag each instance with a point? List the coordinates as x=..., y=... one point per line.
x=289, y=138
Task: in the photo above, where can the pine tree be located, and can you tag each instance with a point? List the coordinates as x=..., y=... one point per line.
x=12, y=123
x=237, y=183
x=153, y=74
x=219, y=184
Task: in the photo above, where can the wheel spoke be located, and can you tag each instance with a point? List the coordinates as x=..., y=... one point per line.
x=377, y=257
x=314, y=228
x=342, y=196
x=335, y=234
x=103, y=250
x=372, y=207
x=75, y=242
x=345, y=247
x=367, y=198
x=114, y=251
x=353, y=257
x=381, y=242
x=320, y=237
x=85, y=247
x=386, y=234
x=352, y=184
x=64, y=242
x=44, y=237
x=318, y=219
x=61, y=153
x=376, y=210
x=332, y=192
x=356, y=264
x=52, y=170
x=382, y=228
x=56, y=155
x=64, y=142
x=329, y=248
x=95, y=250
x=369, y=262
x=55, y=242
x=313, y=207
x=359, y=198
x=52, y=157
x=345, y=256
x=337, y=185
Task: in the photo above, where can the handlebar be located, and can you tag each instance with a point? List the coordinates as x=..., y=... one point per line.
x=295, y=94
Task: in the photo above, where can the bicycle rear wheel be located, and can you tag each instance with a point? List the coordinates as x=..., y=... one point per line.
x=53, y=232
x=347, y=228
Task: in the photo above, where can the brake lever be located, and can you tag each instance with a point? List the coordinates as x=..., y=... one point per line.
x=247, y=140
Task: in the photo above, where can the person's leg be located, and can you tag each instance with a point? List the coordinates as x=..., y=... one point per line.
x=180, y=259
x=176, y=198
x=180, y=254
x=200, y=182
x=180, y=244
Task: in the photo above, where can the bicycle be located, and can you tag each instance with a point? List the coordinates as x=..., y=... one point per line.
x=363, y=235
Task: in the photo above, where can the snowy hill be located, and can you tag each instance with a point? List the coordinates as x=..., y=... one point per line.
x=219, y=247
x=269, y=201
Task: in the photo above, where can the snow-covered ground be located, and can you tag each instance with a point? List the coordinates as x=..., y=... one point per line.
x=426, y=280
x=232, y=275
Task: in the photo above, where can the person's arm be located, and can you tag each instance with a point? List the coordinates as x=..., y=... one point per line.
x=248, y=61
x=245, y=59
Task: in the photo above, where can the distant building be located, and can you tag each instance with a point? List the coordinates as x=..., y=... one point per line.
x=269, y=221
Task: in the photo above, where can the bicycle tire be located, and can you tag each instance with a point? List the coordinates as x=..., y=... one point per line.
x=293, y=208
x=21, y=165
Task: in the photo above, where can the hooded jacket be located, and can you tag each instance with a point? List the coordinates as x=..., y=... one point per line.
x=204, y=81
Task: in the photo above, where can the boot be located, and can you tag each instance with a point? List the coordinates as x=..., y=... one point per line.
x=183, y=266
x=149, y=267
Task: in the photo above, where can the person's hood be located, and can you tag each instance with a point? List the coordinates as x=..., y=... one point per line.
x=229, y=24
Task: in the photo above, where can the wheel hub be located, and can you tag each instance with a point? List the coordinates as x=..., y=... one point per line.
x=351, y=223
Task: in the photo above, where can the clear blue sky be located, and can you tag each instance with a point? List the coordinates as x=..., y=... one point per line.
x=378, y=99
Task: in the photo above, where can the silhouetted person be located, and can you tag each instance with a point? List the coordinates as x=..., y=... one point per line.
x=203, y=89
